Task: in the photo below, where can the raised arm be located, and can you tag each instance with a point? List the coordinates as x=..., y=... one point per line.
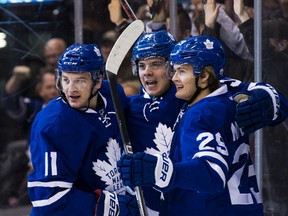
x=229, y=31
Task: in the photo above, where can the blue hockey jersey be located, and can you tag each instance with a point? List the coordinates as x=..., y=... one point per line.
x=214, y=172
x=150, y=124
x=151, y=120
x=74, y=153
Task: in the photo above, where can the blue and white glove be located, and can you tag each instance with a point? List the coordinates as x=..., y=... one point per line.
x=119, y=205
x=143, y=169
x=256, y=112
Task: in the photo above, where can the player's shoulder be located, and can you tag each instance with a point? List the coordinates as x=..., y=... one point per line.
x=219, y=108
x=57, y=113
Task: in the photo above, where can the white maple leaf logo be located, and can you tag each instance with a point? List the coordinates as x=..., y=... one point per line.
x=108, y=171
x=163, y=138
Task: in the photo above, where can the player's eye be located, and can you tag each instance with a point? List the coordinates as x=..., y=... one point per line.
x=65, y=80
x=141, y=66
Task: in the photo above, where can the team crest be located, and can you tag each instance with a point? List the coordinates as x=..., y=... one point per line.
x=163, y=138
x=209, y=44
x=108, y=170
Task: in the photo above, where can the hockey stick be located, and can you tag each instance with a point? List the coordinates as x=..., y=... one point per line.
x=128, y=10
x=121, y=47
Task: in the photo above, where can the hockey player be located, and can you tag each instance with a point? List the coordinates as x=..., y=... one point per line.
x=75, y=143
x=153, y=112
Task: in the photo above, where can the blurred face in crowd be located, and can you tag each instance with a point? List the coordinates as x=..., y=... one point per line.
x=53, y=50
x=152, y=76
x=47, y=88
x=284, y=7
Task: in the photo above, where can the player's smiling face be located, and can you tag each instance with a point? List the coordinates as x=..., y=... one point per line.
x=184, y=80
x=153, y=77
x=77, y=88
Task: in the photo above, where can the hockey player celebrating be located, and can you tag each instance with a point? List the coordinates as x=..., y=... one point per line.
x=153, y=112
x=209, y=170
x=75, y=143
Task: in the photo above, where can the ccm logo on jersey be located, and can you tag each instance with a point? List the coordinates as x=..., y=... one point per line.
x=163, y=170
x=111, y=204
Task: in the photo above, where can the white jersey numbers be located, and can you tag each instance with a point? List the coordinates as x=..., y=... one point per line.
x=50, y=163
x=234, y=183
x=207, y=137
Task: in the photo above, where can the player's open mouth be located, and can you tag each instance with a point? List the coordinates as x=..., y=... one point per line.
x=151, y=83
x=179, y=87
x=73, y=98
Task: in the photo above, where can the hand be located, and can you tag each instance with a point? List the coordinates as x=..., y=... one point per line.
x=256, y=112
x=211, y=13
x=22, y=70
x=20, y=74
x=128, y=205
x=121, y=205
x=143, y=169
x=157, y=10
x=239, y=9
x=115, y=12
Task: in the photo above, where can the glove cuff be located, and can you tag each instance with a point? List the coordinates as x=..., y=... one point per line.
x=274, y=97
x=110, y=204
x=163, y=170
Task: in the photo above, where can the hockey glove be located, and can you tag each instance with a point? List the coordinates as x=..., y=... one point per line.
x=256, y=112
x=119, y=205
x=143, y=169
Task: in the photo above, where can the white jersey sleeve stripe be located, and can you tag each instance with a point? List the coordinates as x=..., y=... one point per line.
x=251, y=171
x=40, y=203
x=274, y=97
x=50, y=184
x=211, y=154
x=219, y=171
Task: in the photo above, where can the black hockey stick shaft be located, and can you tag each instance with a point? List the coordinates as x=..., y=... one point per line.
x=115, y=58
x=112, y=78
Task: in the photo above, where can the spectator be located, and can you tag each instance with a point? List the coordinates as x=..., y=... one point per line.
x=125, y=77
x=53, y=49
x=274, y=71
x=23, y=110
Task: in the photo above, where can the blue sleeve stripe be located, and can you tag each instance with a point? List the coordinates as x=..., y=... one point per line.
x=50, y=184
x=219, y=171
x=46, y=202
x=213, y=155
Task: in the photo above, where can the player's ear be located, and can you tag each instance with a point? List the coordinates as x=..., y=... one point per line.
x=100, y=81
x=205, y=74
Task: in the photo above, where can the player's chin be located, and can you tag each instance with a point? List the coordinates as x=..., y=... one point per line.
x=179, y=94
x=75, y=105
x=152, y=91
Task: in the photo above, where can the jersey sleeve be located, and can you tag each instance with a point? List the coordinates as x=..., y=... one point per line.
x=57, y=150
